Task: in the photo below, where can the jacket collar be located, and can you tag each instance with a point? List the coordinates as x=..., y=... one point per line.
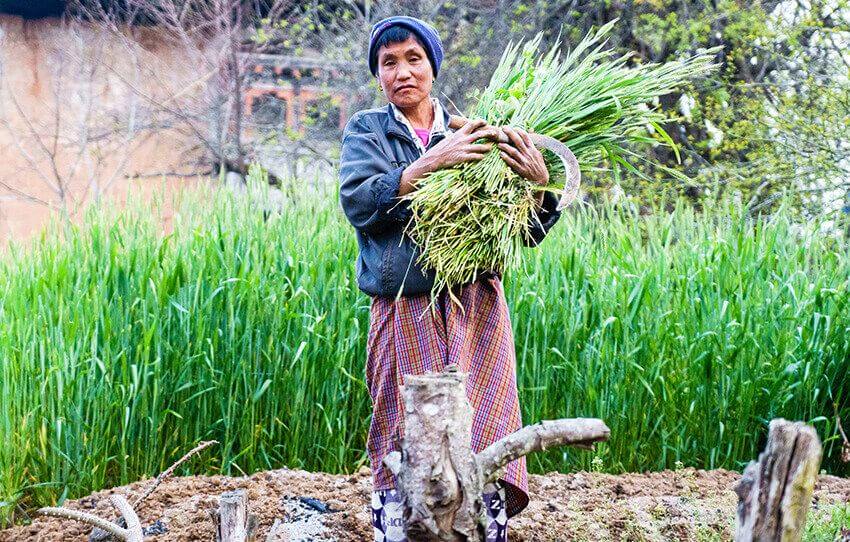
x=394, y=127
x=397, y=124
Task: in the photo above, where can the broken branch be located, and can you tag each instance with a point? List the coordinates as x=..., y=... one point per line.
x=133, y=532
x=580, y=432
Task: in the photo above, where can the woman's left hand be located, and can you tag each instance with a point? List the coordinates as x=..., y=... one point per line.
x=523, y=157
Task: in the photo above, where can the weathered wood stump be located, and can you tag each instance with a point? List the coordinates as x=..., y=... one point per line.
x=440, y=479
x=775, y=492
x=232, y=522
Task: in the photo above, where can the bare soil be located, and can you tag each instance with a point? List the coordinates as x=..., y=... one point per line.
x=681, y=505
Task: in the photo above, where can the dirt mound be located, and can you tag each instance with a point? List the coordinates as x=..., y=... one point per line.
x=686, y=504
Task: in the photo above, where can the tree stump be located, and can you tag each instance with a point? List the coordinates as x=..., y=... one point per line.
x=440, y=479
x=232, y=522
x=775, y=492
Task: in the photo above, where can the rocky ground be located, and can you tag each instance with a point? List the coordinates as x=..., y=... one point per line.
x=683, y=505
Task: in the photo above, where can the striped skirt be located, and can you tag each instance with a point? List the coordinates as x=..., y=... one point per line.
x=406, y=337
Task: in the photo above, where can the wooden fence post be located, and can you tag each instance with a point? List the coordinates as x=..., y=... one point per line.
x=775, y=492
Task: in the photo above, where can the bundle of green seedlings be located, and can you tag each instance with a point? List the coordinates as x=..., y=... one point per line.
x=478, y=216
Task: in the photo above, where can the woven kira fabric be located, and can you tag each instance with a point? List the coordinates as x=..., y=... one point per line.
x=406, y=337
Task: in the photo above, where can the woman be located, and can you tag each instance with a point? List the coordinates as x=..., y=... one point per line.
x=384, y=152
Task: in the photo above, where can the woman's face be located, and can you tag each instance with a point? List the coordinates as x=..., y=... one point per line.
x=405, y=73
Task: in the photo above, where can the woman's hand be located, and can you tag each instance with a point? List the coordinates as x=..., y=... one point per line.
x=523, y=157
x=460, y=146
x=456, y=148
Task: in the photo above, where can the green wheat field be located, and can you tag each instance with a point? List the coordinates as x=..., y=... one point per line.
x=122, y=347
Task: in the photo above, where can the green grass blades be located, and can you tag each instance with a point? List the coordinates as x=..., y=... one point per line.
x=474, y=217
x=121, y=348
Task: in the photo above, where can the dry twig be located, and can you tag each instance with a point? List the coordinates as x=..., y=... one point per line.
x=845, y=447
x=127, y=527
x=131, y=533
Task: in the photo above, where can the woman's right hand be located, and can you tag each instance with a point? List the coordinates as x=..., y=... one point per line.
x=460, y=146
x=456, y=148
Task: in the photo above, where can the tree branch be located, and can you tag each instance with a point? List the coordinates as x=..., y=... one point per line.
x=578, y=432
x=133, y=532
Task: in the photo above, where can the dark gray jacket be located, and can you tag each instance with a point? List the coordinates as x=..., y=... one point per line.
x=375, y=150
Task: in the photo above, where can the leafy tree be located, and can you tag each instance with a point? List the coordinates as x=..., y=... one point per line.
x=772, y=120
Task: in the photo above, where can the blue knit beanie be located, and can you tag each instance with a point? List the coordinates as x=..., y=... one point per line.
x=426, y=33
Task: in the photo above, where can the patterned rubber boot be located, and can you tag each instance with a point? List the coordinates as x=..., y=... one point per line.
x=388, y=519
x=387, y=516
x=497, y=515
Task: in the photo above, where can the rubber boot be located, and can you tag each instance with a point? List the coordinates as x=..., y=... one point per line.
x=388, y=519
